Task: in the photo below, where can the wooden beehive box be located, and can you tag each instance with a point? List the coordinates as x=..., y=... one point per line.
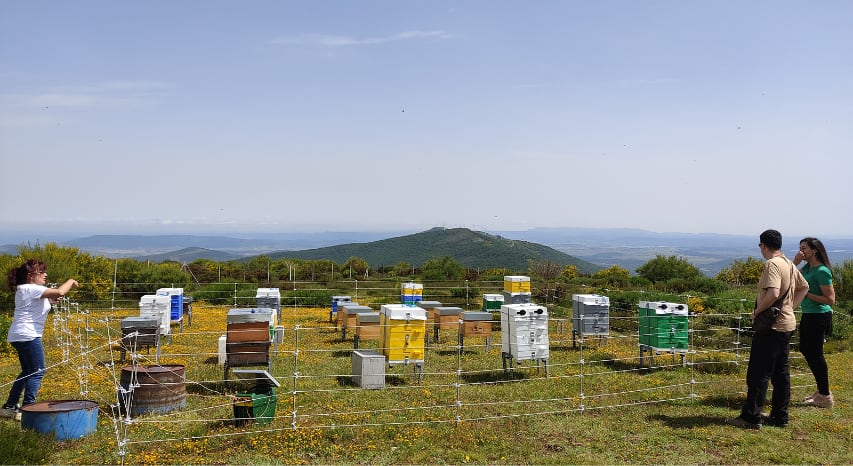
x=248, y=331
x=367, y=326
x=447, y=317
x=477, y=324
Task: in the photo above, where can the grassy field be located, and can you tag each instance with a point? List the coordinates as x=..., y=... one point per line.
x=594, y=404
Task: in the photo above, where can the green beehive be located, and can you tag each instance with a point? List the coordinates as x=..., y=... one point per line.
x=492, y=302
x=663, y=326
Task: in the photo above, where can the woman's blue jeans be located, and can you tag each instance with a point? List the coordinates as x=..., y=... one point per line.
x=31, y=356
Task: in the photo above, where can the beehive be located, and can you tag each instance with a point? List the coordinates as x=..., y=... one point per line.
x=476, y=324
x=247, y=344
x=138, y=332
x=411, y=293
x=663, y=325
x=176, y=301
x=349, y=314
x=157, y=307
x=336, y=301
x=254, y=314
x=341, y=314
x=516, y=284
x=367, y=326
x=515, y=298
x=402, y=330
x=269, y=298
x=590, y=315
x=492, y=302
x=447, y=317
x=524, y=331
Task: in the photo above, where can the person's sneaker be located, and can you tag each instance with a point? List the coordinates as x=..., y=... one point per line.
x=11, y=413
x=821, y=401
x=809, y=398
x=772, y=421
x=743, y=423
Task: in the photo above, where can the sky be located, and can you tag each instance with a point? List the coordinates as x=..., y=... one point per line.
x=221, y=116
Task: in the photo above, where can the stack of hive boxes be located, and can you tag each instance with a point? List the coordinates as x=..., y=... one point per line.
x=411, y=293
x=516, y=289
x=663, y=326
x=269, y=298
x=590, y=315
x=524, y=334
x=157, y=307
x=248, y=337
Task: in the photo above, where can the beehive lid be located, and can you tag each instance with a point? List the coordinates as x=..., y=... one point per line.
x=154, y=299
x=129, y=322
x=403, y=312
x=516, y=278
x=476, y=315
x=591, y=299
x=449, y=311
x=250, y=310
x=367, y=317
x=525, y=309
x=255, y=375
x=268, y=293
x=429, y=304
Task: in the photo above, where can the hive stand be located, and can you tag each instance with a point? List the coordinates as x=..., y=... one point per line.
x=509, y=369
x=653, y=351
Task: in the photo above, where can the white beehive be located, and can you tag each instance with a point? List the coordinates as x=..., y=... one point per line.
x=157, y=307
x=524, y=331
x=590, y=314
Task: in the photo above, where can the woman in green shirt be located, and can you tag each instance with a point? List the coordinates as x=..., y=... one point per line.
x=816, y=322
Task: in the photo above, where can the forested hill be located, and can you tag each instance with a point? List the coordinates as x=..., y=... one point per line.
x=471, y=249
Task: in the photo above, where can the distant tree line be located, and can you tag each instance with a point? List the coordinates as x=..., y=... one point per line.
x=103, y=277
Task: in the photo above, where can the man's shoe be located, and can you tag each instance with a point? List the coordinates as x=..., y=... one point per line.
x=772, y=421
x=821, y=401
x=11, y=413
x=809, y=398
x=743, y=423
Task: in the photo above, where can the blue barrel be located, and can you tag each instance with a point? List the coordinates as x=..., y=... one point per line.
x=65, y=419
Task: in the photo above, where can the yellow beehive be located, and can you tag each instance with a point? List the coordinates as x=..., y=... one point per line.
x=516, y=284
x=402, y=329
x=412, y=289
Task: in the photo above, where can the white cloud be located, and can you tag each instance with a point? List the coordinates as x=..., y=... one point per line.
x=326, y=40
x=105, y=94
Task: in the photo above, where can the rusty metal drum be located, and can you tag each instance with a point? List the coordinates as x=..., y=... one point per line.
x=152, y=389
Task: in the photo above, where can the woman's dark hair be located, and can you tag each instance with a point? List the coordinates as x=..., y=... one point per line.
x=20, y=275
x=817, y=245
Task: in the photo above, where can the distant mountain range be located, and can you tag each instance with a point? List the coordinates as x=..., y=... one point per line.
x=628, y=248
x=473, y=249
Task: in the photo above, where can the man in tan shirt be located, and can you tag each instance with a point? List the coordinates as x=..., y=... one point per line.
x=768, y=356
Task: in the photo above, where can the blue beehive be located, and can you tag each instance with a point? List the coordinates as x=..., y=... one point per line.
x=177, y=297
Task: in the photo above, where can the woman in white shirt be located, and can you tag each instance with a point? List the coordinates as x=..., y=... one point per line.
x=32, y=304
